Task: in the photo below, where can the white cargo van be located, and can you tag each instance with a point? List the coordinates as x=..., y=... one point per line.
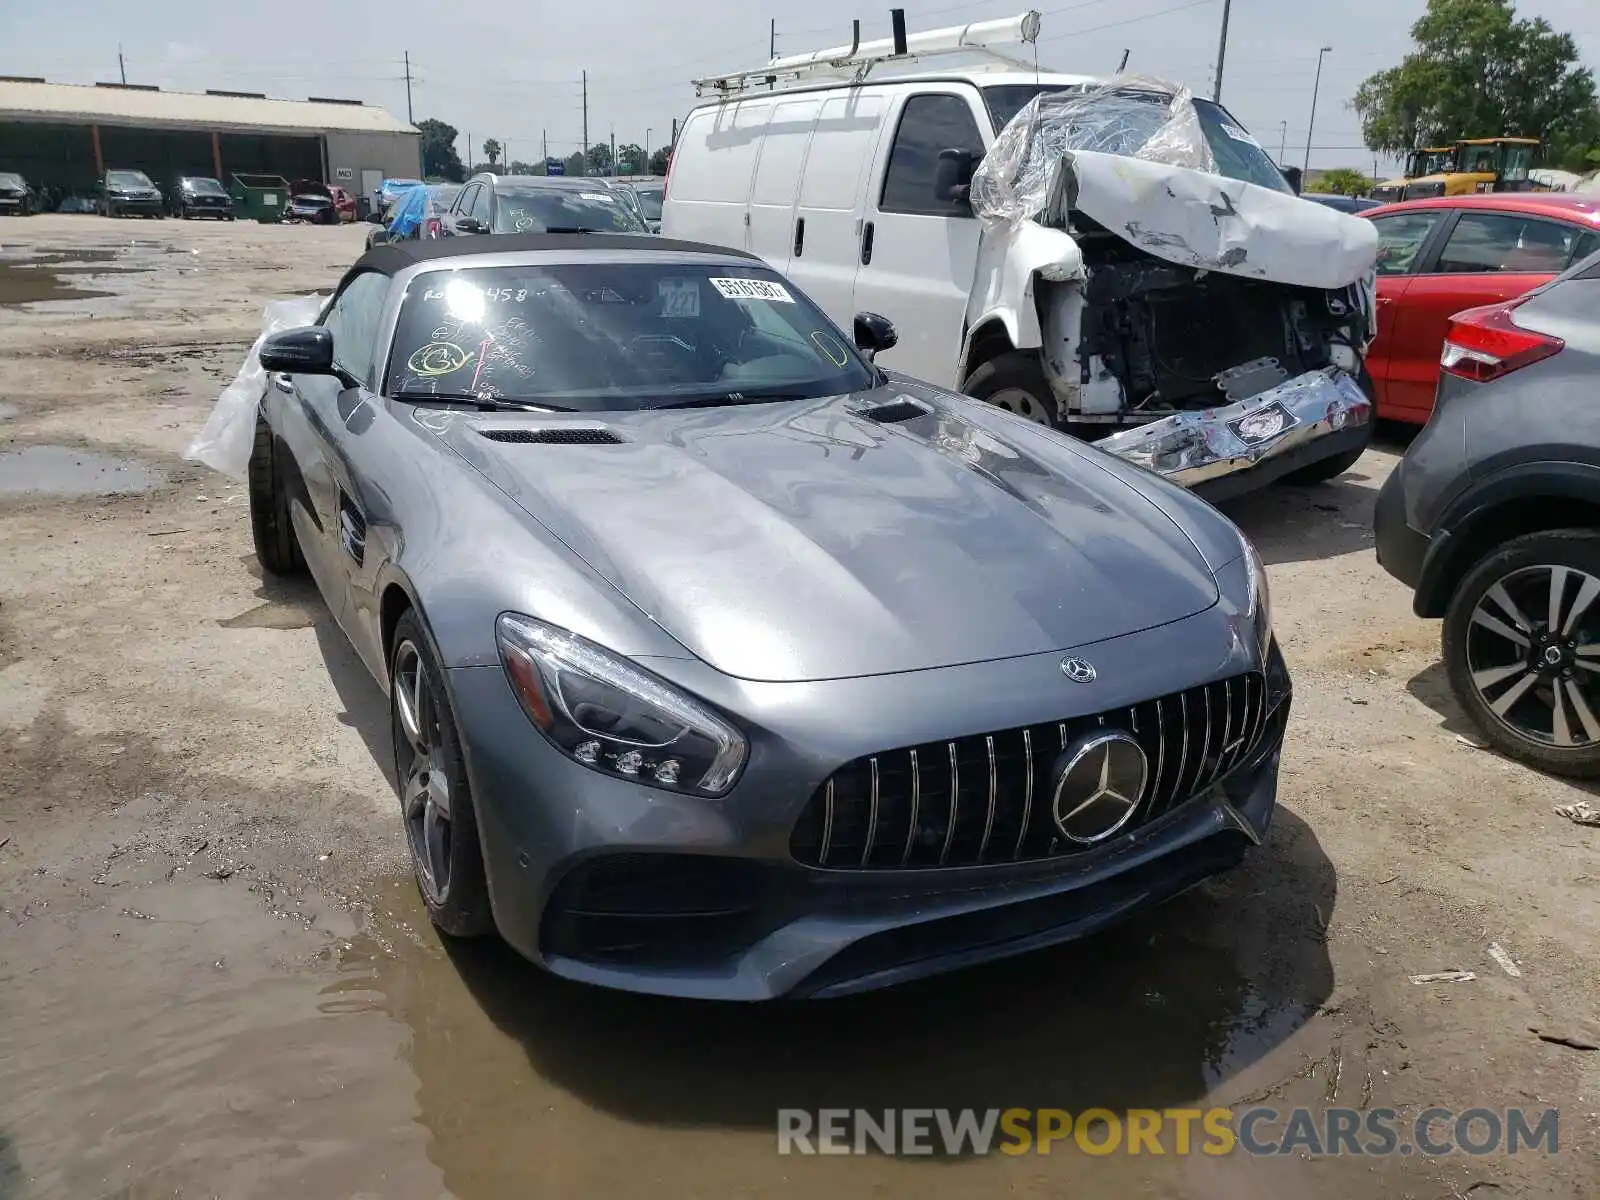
x=1093, y=257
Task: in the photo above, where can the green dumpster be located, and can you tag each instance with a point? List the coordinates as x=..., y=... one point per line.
x=260, y=197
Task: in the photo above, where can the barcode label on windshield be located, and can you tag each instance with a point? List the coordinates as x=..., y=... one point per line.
x=753, y=289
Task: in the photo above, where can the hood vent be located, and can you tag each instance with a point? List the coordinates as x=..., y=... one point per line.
x=901, y=408
x=554, y=436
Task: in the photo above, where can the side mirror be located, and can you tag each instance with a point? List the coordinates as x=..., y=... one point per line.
x=305, y=351
x=952, y=177
x=379, y=237
x=468, y=225
x=1293, y=175
x=874, y=334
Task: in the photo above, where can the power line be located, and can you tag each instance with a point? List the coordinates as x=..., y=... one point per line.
x=1164, y=12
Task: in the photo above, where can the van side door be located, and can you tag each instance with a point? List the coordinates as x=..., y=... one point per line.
x=774, y=231
x=713, y=165
x=833, y=199
x=917, y=254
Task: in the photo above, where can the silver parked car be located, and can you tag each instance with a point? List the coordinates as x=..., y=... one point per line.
x=722, y=663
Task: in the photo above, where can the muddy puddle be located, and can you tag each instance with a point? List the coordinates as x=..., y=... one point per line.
x=63, y=471
x=54, y=275
x=185, y=1039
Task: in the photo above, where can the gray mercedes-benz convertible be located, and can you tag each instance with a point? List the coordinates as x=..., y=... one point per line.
x=722, y=663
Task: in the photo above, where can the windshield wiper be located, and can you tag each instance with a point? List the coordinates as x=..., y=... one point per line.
x=482, y=403
x=723, y=399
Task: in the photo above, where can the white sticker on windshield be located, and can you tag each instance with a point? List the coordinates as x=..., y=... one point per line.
x=753, y=289
x=679, y=298
x=1239, y=135
x=600, y=196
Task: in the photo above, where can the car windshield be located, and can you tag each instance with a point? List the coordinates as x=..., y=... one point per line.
x=650, y=200
x=127, y=179
x=1237, y=154
x=603, y=336
x=204, y=187
x=533, y=210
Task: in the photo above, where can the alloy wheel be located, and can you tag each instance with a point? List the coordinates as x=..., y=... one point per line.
x=1024, y=404
x=1533, y=652
x=424, y=774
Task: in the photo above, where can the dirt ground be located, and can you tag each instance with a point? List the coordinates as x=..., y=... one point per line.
x=216, y=978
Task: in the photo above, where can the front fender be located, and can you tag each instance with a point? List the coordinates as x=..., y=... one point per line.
x=1009, y=261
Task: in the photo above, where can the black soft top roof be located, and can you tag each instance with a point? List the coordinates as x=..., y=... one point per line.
x=394, y=257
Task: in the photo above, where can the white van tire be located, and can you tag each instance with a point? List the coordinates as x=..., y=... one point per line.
x=1015, y=382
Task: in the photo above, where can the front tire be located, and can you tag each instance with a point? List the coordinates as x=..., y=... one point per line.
x=435, y=798
x=277, y=548
x=1015, y=382
x=1522, y=649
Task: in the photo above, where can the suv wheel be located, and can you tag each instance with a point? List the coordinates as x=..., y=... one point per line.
x=1522, y=648
x=1015, y=382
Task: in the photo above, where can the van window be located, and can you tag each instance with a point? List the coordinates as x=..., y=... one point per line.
x=928, y=125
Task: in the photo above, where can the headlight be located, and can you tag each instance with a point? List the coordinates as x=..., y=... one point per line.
x=613, y=717
x=1244, y=585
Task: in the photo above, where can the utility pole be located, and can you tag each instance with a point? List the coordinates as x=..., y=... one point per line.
x=1222, y=50
x=1283, y=141
x=1123, y=65
x=409, y=121
x=647, y=150
x=583, y=157
x=122, y=67
x=674, y=142
x=469, y=152
x=772, y=46
x=544, y=148
x=1311, y=124
x=614, y=170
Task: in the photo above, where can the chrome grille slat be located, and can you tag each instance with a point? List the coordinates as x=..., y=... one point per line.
x=872, y=814
x=1027, y=796
x=955, y=801
x=827, y=825
x=994, y=797
x=916, y=808
x=852, y=821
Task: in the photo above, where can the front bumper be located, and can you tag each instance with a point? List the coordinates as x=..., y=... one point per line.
x=136, y=204
x=1223, y=452
x=743, y=920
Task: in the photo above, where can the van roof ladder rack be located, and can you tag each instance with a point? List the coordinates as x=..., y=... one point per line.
x=852, y=62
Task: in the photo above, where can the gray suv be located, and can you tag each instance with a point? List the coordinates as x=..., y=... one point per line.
x=1493, y=518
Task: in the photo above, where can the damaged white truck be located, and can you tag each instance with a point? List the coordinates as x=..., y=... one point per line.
x=1119, y=260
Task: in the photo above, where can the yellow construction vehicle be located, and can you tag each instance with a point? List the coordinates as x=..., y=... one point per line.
x=1428, y=161
x=1479, y=165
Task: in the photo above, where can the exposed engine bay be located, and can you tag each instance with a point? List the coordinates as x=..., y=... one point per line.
x=1155, y=337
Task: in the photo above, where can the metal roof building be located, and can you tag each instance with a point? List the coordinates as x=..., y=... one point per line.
x=64, y=136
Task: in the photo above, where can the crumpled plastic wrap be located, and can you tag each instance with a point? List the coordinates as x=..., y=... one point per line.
x=224, y=442
x=1133, y=115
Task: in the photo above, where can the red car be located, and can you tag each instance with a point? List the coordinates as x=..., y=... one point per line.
x=1438, y=257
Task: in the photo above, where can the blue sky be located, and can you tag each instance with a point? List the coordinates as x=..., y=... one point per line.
x=511, y=70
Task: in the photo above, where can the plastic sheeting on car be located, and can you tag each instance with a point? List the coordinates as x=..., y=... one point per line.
x=1133, y=116
x=224, y=442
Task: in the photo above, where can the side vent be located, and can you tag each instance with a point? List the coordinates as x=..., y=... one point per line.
x=901, y=408
x=562, y=436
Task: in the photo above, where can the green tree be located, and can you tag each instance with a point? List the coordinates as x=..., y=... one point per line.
x=1477, y=71
x=439, y=157
x=1344, y=181
x=599, y=159
x=491, y=151
x=631, y=159
x=659, y=160
x=575, y=163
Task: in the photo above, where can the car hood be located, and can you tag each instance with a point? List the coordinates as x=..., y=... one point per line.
x=1198, y=219
x=811, y=540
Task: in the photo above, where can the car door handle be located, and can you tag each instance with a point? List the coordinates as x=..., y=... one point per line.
x=866, y=243
x=799, y=237
x=283, y=383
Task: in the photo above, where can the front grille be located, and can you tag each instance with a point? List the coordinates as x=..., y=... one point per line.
x=988, y=798
x=554, y=437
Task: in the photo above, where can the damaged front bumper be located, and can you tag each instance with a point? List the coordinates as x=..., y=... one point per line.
x=1224, y=452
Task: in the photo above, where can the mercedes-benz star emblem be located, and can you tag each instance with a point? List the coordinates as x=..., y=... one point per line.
x=1078, y=670
x=1099, y=786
